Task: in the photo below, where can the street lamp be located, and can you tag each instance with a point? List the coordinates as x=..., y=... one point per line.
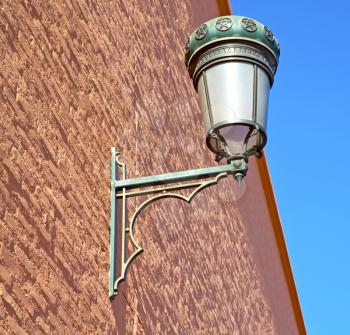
x=232, y=61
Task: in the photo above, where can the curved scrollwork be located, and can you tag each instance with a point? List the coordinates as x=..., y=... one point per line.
x=130, y=230
x=125, y=188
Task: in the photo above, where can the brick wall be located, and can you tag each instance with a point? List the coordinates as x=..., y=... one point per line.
x=78, y=77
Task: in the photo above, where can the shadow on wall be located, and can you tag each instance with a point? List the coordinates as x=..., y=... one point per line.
x=118, y=305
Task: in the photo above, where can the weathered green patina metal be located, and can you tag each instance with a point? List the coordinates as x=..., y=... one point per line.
x=120, y=189
x=113, y=226
x=219, y=42
x=228, y=28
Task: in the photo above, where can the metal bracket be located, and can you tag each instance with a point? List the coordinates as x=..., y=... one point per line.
x=121, y=189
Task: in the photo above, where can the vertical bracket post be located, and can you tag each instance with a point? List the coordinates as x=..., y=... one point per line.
x=113, y=226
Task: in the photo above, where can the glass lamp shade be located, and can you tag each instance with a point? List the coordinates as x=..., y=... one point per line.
x=233, y=97
x=232, y=61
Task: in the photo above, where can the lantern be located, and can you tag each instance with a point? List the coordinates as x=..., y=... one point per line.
x=232, y=61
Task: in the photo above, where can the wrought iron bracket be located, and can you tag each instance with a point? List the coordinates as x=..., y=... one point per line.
x=124, y=188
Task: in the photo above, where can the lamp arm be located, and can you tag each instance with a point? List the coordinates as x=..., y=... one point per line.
x=120, y=189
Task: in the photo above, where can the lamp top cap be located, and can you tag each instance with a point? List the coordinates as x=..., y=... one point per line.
x=231, y=27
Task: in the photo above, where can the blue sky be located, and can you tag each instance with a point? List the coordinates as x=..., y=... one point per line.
x=308, y=138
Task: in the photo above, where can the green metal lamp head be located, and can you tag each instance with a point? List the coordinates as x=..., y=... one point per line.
x=221, y=30
x=232, y=61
